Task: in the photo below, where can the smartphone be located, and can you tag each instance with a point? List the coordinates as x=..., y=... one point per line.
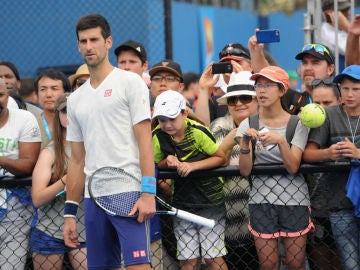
x=223, y=67
x=268, y=36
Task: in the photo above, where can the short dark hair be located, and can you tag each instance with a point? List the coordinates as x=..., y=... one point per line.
x=12, y=67
x=90, y=21
x=27, y=87
x=55, y=75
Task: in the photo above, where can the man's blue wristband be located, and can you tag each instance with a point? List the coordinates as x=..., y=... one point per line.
x=148, y=184
x=70, y=209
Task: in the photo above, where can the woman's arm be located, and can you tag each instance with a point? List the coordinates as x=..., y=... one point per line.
x=41, y=192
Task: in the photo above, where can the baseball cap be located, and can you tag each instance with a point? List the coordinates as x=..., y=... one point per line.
x=132, y=45
x=60, y=102
x=234, y=51
x=82, y=70
x=239, y=84
x=329, y=4
x=317, y=50
x=169, y=104
x=275, y=74
x=167, y=65
x=352, y=71
x=293, y=75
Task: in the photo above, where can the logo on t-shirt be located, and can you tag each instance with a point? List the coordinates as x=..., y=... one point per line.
x=139, y=253
x=107, y=93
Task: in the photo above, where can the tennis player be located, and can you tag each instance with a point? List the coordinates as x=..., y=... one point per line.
x=109, y=125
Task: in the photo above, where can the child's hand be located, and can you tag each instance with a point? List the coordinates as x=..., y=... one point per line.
x=184, y=168
x=172, y=161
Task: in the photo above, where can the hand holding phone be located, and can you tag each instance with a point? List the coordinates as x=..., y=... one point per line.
x=221, y=68
x=268, y=36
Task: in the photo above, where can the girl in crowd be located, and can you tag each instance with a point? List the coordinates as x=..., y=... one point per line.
x=279, y=204
x=48, y=187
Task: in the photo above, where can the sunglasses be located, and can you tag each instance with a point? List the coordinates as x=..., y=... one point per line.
x=80, y=82
x=233, y=51
x=244, y=99
x=317, y=47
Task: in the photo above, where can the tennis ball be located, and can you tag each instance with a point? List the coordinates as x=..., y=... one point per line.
x=313, y=115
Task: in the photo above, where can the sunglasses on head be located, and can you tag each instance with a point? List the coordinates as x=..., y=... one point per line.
x=244, y=99
x=317, y=47
x=326, y=81
x=233, y=51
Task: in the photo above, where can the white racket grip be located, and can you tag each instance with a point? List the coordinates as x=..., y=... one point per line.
x=209, y=223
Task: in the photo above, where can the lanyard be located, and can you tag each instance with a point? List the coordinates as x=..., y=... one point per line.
x=46, y=127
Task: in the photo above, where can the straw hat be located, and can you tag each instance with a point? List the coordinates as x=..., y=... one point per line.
x=82, y=70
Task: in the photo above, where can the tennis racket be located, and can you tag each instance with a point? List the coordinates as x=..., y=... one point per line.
x=107, y=179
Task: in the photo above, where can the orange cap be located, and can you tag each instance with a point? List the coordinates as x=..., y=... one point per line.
x=275, y=74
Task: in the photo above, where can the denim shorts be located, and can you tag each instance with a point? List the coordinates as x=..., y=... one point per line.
x=43, y=243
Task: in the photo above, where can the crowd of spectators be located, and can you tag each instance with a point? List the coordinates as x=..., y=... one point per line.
x=197, y=122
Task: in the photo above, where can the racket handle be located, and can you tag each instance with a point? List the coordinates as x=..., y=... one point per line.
x=209, y=223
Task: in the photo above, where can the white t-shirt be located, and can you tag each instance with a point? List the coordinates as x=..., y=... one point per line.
x=12, y=104
x=328, y=38
x=20, y=127
x=283, y=189
x=103, y=118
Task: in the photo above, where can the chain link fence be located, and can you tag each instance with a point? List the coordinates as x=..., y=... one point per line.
x=39, y=34
x=322, y=252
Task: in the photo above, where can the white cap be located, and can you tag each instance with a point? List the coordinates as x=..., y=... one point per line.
x=169, y=104
x=239, y=84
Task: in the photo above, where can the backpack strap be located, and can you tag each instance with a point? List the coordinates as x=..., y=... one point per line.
x=254, y=121
x=290, y=128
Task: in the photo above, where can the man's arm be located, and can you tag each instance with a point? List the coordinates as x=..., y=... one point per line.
x=75, y=183
x=24, y=165
x=258, y=60
x=145, y=206
x=206, y=82
x=352, y=53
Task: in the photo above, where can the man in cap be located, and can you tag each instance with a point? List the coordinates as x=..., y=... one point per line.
x=208, y=108
x=131, y=55
x=165, y=75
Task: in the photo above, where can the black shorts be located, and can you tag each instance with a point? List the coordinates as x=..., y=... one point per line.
x=272, y=221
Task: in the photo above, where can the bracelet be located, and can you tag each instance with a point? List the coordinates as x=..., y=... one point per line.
x=148, y=184
x=70, y=209
x=244, y=151
x=62, y=181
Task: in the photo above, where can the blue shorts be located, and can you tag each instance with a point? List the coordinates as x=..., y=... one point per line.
x=107, y=237
x=45, y=244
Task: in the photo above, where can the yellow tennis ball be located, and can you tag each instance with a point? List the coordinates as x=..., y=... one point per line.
x=313, y=115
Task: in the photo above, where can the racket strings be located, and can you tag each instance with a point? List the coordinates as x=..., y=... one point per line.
x=118, y=204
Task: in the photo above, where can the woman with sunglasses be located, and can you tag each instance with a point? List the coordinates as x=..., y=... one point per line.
x=241, y=102
x=279, y=204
